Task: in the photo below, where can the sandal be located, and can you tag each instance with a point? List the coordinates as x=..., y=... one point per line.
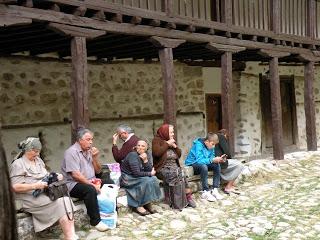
x=141, y=213
x=231, y=191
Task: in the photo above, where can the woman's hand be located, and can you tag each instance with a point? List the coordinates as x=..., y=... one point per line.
x=153, y=172
x=59, y=176
x=39, y=185
x=144, y=157
x=171, y=142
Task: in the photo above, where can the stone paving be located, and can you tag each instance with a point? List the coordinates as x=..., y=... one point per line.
x=279, y=200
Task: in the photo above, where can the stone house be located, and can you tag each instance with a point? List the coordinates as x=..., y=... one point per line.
x=129, y=85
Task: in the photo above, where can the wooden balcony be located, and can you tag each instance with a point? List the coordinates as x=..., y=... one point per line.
x=253, y=24
x=253, y=14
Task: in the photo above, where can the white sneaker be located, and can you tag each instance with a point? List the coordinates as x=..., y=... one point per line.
x=214, y=192
x=101, y=227
x=207, y=196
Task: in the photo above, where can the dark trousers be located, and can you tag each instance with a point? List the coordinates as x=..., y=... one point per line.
x=88, y=194
x=203, y=169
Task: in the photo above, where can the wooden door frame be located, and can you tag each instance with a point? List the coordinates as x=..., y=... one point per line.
x=290, y=80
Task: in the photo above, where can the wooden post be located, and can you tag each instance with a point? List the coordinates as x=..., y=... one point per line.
x=226, y=86
x=8, y=224
x=169, y=89
x=165, y=47
x=226, y=97
x=311, y=18
x=309, y=107
x=79, y=85
x=276, y=112
x=79, y=76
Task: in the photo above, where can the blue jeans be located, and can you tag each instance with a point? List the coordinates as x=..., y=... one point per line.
x=203, y=169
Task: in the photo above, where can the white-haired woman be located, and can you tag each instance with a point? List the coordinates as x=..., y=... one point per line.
x=26, y=173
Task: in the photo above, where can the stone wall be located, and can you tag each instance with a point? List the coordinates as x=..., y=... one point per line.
x=35, y=97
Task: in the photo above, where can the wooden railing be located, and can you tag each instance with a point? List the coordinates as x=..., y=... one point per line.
x=317, y=30
x=293, y=17
x=251, y=13
x=254, y=14
x=151, y=5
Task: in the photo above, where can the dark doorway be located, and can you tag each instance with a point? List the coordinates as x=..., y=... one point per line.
x=213, y=112
x=288, y=107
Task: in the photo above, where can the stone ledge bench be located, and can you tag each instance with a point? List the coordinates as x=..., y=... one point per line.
x=24, y=220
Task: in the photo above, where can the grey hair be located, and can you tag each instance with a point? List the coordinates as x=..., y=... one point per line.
x=125, y=128
x=81, y=132
x=212, y=137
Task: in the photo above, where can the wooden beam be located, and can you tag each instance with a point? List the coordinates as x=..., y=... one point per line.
x=169, y=91
x=226, y=96
x=311, y=18
x=276, y=112
x=273, y=53
x=160, y=42
x=308, y=58
x=79, y=85
x=309, y=107
x=73, y=31
x=6, y=21
x=216, y=47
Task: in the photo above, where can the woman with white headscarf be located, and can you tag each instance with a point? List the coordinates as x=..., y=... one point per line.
x=26, y=173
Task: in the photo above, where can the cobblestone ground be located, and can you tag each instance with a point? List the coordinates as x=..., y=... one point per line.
x=282, y=202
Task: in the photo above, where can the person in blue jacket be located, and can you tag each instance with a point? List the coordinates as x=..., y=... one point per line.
x=202, y=158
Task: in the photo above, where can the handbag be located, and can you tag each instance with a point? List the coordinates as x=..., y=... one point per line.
x=58, y=190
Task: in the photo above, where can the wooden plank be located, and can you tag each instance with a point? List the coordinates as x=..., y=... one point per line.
x=226, y=96
x=309, y=106
x=169, y=91
x=276, y=112
x=275, y=16
x=79, y=85
x=224, y=48
x=6, y=21
x=226, y=12
x=73, y=31
x=272, y=54
x=167, y=7
x=311, y=18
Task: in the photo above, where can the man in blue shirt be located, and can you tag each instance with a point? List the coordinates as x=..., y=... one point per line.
x=202, y=158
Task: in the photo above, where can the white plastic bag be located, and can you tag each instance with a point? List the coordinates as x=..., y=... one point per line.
x=115, y=172
x=107, y=201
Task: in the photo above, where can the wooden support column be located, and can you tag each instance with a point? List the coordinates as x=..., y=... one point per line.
x=167, y=7
x=226, y=86
x=309, y=107
x=79, y=76
x=309, y=104
x=276, y=111
x=227, y=96
x=165, y=47
x=79, y=85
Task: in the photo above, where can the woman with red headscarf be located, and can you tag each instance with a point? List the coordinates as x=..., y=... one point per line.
x=166, y=156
